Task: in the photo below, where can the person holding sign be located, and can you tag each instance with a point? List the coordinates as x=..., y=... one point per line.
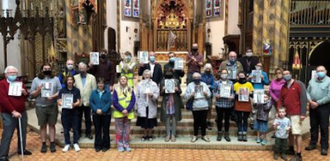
x=147, y=94
x=123, y=101
x=69, y=100
x=200, y=92
x=171, y=106
x=12, y=109
x=45, y=88
x=224, y=94
x=177, y=73
x=126, y=68
x=100, y=102
x=243, y=107
x=261, y=122
x=154, y=68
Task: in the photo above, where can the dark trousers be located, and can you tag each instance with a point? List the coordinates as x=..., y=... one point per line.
x=242, y=120
x=85, y=110
x=200, y=121
x=319, y=119
x=223, y=113
x=9, y=125
x=280, y=146
x=70, y=119
x=102, y=126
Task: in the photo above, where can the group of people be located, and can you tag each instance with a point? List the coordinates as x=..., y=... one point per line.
x=93, y=92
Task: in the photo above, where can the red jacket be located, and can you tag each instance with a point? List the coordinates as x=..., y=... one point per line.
x=10, y=103
x=294, y=99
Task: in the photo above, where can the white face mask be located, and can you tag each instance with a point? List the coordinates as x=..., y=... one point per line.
x=70, y=67
x=248, y=54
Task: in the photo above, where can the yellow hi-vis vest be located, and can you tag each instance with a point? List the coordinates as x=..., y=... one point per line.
x=128, y=74
x=124, y=102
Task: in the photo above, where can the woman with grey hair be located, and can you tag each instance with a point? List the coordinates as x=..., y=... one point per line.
x=146, y=105
x=208, y=78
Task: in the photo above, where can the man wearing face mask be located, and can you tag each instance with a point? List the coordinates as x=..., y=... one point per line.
x=12, y=108
x=318, y=95
x=248, y=61
x=154, y=67
x=126, y=68
x=105, y=70
x=293, y=97
x=177, y=74
x=69, y=70
x=232, y=66
x=194, y=62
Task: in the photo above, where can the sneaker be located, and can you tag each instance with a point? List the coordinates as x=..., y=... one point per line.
x=167, y=138
x=128, y=149
x=43, y=148
x=227, y=138
x=52, y=147
x=194, y=139
x=205, y=138
x=324, y=152
x=240, y=137
x=76, y=147
x=121, y=149
x=143, y=138
x=258, y=140
x=244, y=138
x=173, y=139
x=89, y=136
x=66, y=148
x=263, y=142
x=310, y=147
x=150, y=138
x=219, y=137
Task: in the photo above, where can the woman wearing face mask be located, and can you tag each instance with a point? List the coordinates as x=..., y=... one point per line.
x=208, y=78
x=126, y=68
x=242, y=108
x=177, y=74
x=170, y=113
x=146, y=105
x=200, y=93
x=224, y=103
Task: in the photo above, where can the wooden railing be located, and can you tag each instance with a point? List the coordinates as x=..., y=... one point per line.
x=310, y=12
x=180, y=41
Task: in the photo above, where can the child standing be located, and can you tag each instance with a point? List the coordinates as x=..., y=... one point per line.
x=261, y=122
x=282, y=126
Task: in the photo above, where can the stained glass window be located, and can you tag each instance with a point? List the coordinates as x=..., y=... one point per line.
x=132, y=8
x=213, y=8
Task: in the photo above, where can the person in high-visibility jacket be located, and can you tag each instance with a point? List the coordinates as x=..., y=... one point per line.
x=123, y=101
x=126, y=68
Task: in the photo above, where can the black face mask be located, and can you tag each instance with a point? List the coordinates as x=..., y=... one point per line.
x=194, y=51
x=103, y=56
x=242, y=80
x=208, y=72
x=47, y=72
x=168, y=76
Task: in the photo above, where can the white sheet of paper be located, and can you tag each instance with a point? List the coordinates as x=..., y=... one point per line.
x=67, y=101
x=15, y=89
x=118, y=70
x=178, y=64
x=199, y=92
x=256, y=76
x=143, y=57
x=314, y=76
x=243, y=95
x=225, y=90
x=94, y=58
x=169, y=86
x=47, y=90
x=258, y=96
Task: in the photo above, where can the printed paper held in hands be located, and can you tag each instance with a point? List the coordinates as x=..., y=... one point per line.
x=67, y=101
x=94, y=58
x=15, y=89
x=258, y=96
x=225, y=90
x=169, y=86
x=256, y=76
x=47, y=90
x=231, y=73
x=243, y=95
x=199, y=92
x=178, y=64
x=143, y=57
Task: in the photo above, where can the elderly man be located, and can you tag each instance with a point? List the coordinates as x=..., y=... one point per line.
x=155, y=68
x=69, y=70
x=232, y=66
x=194, y=62
x=248, y=61
x=12, y=108
x=318, y=94
x=293, y=97
x=86, y=83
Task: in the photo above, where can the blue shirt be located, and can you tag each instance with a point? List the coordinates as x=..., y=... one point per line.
x=62, y=75
x=264, y=81
x=209, y=80
x=74, y=91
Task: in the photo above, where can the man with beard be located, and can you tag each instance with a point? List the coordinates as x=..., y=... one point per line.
x=194, y=62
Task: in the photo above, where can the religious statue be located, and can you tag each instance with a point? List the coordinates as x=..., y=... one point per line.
x=172, y=20
x=61, y=23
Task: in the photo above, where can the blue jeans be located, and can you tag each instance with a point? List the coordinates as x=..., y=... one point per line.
x=242, y=122
x=70, y=119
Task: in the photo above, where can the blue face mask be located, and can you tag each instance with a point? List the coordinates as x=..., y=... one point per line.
x=128, y=58
x=152, y=59
x=172, y=60
x=232, y=60
x=287, y=77
x=11, y=78
x=320, y=75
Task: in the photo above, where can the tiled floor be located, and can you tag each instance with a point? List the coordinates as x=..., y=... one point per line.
x=33, y=144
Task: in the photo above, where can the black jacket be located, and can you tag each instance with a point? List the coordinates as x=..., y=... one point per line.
x=177, y=74
x=244, y=61
x=157, y=75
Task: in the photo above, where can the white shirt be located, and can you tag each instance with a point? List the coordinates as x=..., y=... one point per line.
x=152, y=67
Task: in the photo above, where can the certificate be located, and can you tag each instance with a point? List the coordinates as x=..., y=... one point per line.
x=243, y=95
x=258, y=96
x=225, y=90
x=178, y=64
x=15, y=89
x=143, y=57
x=94, y=58
x=256, y=76
x=169, y=86
x=47, y=90
x=67, y=101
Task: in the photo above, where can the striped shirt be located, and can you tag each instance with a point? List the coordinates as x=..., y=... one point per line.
x=223, y=102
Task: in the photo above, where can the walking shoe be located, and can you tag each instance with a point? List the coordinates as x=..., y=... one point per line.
x=244, y=137
x=25, y=152
x=89, y=136
x=121, y=149
x=205, y=138
x=76, y=147
x=258, y=140
x=324, y=152
x=173, y=139
x=43, y=148
x=128, y=149
x=167, y=138
x=52, y=147
x=275, y=156
x=310, y=147
x=227, y=138
x=296, y=158
x=263, y=142
x=66, y=148
x=290, y=151
x=219, y=137
x=194, y=139
x=144, y=138
x=240, y=137
x=283, y=156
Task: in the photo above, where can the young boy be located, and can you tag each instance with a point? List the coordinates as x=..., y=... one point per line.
x=282, y=126
x=261, y=122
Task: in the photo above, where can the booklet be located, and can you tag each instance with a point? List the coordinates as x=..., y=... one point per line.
x=169, y=86
x=15, y=89
x=256, y=76
x=199, y=92
x=94, y=58
x=225, y=90
x=178, y=64
x=143, y=57
x=47, y=90
x=243, y=95
x=258, y=96
x=67, y=101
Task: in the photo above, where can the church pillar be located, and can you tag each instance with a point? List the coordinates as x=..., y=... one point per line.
x=69, y=29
